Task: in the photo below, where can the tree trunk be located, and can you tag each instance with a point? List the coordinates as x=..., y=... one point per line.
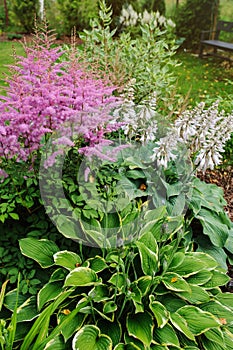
x=215, y=14
x=177, y=3
x=6, y=13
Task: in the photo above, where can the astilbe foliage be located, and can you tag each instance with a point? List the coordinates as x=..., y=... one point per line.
x=45, y=92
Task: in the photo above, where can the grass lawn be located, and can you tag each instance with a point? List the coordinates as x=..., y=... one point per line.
x=204, y=79
x=6, y=57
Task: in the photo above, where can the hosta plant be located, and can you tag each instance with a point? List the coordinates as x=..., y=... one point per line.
x=155, y=293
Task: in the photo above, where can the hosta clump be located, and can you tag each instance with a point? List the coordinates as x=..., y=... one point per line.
x=154, y=293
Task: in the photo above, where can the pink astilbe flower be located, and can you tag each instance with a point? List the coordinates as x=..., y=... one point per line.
x=46, y=93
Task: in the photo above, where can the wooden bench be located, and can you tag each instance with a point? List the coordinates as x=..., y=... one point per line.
x=216, y=43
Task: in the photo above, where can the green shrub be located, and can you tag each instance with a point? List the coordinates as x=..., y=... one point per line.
x=193, y=17
x=24, y=12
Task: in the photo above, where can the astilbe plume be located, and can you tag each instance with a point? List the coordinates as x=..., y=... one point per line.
x=45, y=92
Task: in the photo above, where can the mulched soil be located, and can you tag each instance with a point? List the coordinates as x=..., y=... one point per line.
x=224, y=179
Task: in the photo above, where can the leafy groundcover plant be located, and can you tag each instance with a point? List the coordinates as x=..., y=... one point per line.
x=144, y=259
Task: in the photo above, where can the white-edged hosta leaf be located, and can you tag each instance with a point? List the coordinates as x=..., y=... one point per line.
x=140, y=326
x=218, y=279
x=67, y=259
x=175, y=282
x=197, y=295
x=90, y=338
x=49, y=292
x=166, y=336
x=181, y=324
x=222, y=312
x=198, y=321
x=200, y=278
x=160, y=313
x=41, y=250
x=81, y=276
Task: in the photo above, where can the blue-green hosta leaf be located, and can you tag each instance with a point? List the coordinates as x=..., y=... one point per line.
x=161, y=314
x=67, y=259
x=197, y=295
x=49, y=292
x=229, y=241
x=140, y=326
x=213, y=228
x=112, y=329
x=41, y=250
x=90, y=338
x=198, y=321
x=181, y=324
x=175, y=282
x=81, y=276
x=166, y=336
x=149, y=254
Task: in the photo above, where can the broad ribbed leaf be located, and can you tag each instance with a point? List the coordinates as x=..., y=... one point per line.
x=175, y=282
x=181, y=324
x=140, y=326
x=89, y=338
x=198, y=321
x=212, y=227
x=148, y=251
x=97, y=263
x=55, y=344
x=218, y=279
x=222, y=312
x=49, y=292
x=197, y=295
x=81, y=276
x=190, y=265
x=200, y=278
x=166, y=336
x=129, y=346
x=74, y=324
x=215, y=335
x=41, y=250
x=67, y=259
x=112, y=329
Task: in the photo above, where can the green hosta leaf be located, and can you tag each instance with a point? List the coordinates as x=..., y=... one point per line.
x=129, y=346
x=175, y=282
x=196, y=295
x=215, y=335
x=166, y=336
x=190, y=265
x=99, y=293
x=181, y=324
x=229, y=241
x=140, y=326
x=228, y=338
x=112, y=329
x=148, y=251
x=118, y=279
x=89, y=338
x=67, y=259
x=49, y=292
x=222, y=312
x=160, y=312
x=74, y=324
x=97, y=263
x=55, y=344
x=81, y=276
x=171, y=302
x=198, y=321
x=177, y=260
x=27, y=311
x=109, y=307
x=144, y=284
x=218, y=279
x=200, y=278
x=67, y=227
x=210, y=345
x=136, y=297
x=212, y=227
x=225, y=299
x=41, y=251
x=208, y=261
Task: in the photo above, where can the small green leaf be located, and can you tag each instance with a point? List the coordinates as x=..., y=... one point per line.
x=140, y=326
x=109, y=307
x=89, y=338
x=81, y=276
